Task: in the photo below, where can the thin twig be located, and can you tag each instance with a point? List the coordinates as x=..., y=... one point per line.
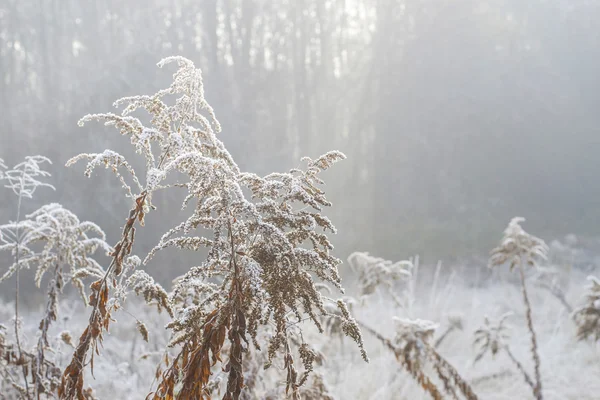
x=17, y=282
x=520, y=367
x=537, y=390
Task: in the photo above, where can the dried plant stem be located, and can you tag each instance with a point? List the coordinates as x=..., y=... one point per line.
x=72, y=381
x=462, y=384
x=447, y=384
x=237, y=330
x=17, y=284
x=385, y=341
x=537, y=389
x=502, y=374
x=263, y=261
x=449, y=376
x=415, y=372
x=192, y=366
x=43, y=339
x=519, y=367
x=444, y=335
x=50, y=315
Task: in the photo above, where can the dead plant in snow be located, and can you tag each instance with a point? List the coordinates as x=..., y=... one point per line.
x=492, y=338
x=264, y=253
x=68, y=245
x=375, y=272
x=518, y=248
x=455, y=323
x=587, y=317
x=412, y=348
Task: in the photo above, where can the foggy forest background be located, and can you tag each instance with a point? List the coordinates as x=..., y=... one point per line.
x=455, y=115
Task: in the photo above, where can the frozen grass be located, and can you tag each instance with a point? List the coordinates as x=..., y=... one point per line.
x=569, y=367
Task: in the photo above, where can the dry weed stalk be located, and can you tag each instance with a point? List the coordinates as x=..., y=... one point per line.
x=168, y=146
x=255, y=361
x=413, y=350
x=261, y=258
x=264, y=253
x=312, y=385
x=23, y=179
x=66, y=244
x=254, y=246
x=455, y=323
x=492, y=338
x=491, y=377
x=375, y=272
x=332, y=321
x=519, y=248
x=71, y=386
x=587, y=317
x=11, y=360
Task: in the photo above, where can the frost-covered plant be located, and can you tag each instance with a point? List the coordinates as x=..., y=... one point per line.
x=455, y=323
x=492, y=337
x=375, y=272
x=11, y=360
x=264, y=252
x=519, y=248
x=67, y=242
x=305, y=385
x=259, y=268
x=178, y=133
x=332, y=321
x=144, y=285
x=413, y=349
x=23, y=179
x=131, y=279
x=412, y=336
x=587, y=317
x=257, y=382
x=66, y=253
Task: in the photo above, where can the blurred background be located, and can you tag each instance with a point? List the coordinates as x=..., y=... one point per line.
x=455, y=115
